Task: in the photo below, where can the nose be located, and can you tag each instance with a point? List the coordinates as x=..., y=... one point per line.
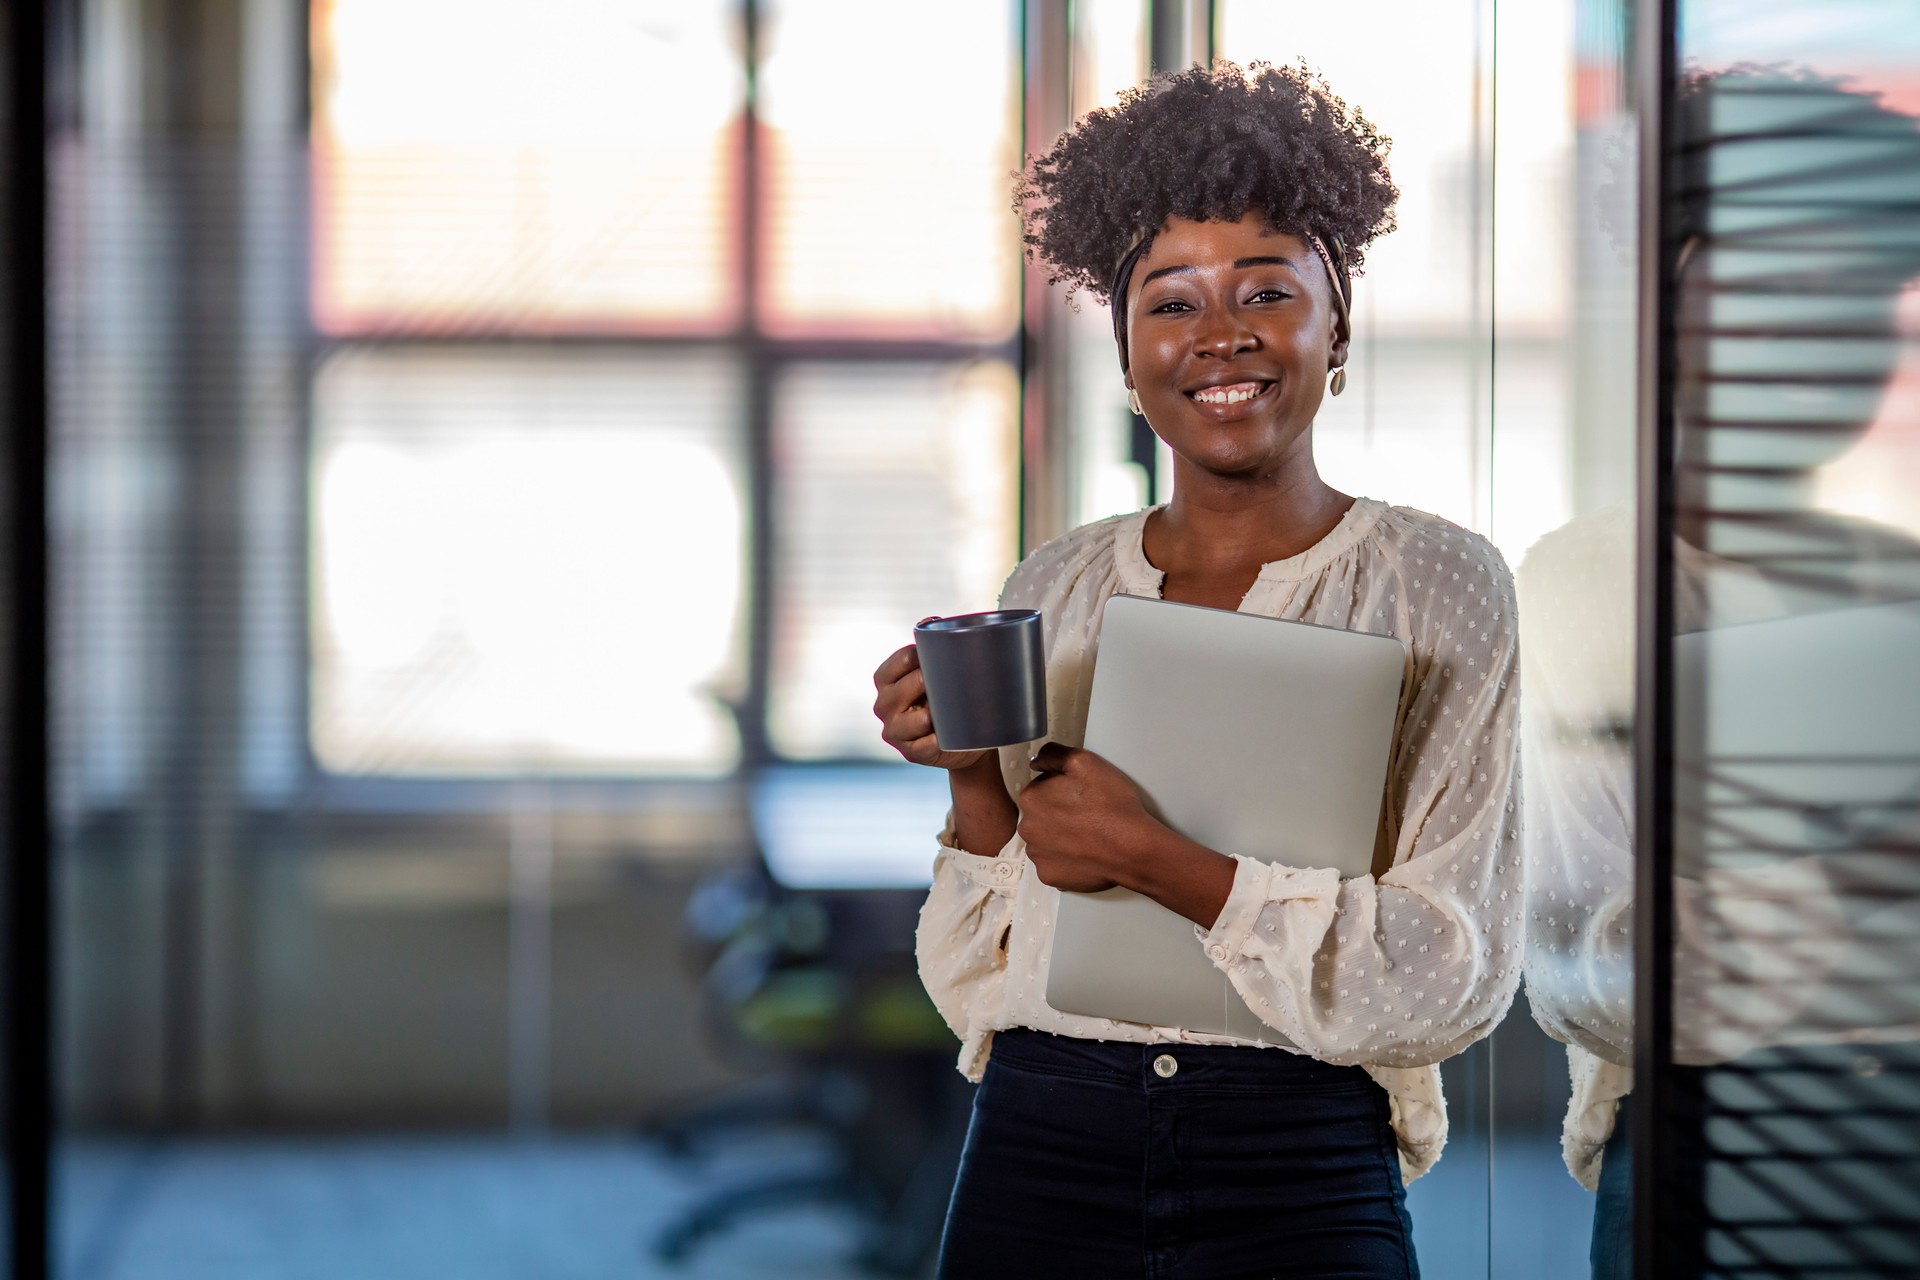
x=1225, y=334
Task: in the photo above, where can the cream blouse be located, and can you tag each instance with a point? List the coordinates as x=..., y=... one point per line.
x=1393, y=974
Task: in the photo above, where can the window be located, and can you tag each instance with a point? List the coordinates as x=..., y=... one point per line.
x=564, y=166
x=899, y=504
x=887, y=194
x=577, y=349
x=526, y=559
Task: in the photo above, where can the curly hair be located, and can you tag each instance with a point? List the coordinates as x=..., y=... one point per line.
x=1205, y=144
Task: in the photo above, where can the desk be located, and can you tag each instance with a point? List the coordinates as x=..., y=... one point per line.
x=837, y=827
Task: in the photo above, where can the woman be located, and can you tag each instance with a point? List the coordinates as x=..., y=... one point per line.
x=1220, y=213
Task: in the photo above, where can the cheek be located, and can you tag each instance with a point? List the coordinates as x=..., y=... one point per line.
x=1152, y=366
x=1312, y=349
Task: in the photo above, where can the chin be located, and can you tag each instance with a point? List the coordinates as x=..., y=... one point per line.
x=1236, y=468
x=1243, y=457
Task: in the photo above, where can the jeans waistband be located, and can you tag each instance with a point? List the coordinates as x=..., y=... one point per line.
x=1194, y=1066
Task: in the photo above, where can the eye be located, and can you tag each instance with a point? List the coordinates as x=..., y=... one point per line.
x=1270, y=295
x=1171, y=304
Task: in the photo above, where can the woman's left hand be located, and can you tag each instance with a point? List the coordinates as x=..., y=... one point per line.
x=1083, y=820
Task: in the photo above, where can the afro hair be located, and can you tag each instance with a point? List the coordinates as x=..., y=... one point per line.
x=1207, y=144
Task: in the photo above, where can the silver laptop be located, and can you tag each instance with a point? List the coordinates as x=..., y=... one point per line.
x=1248, y=734
x=1797, y=736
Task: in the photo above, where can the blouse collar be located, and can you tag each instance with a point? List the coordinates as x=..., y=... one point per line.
x=1138, y=576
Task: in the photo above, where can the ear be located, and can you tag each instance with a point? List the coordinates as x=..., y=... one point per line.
x=1342, y=344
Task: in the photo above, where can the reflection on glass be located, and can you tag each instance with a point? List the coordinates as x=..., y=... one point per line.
x=564, y=165
x=1796, y=755
x=1797, y=703
x=885, y=180
x=898, y=496
x=1577, y=618
x=1561, y=477
x=1576, y=589
x=525, y=561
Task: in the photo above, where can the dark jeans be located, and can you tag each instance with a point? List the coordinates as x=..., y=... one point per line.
x=1083, y=1160
x=1612, y=1250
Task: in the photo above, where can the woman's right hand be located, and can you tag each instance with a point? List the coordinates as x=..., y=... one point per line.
x=906, y=724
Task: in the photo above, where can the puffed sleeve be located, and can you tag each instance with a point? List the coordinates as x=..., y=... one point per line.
x=1575, y=588
x=961, y=939
x=1409, y=969
x=960, y=942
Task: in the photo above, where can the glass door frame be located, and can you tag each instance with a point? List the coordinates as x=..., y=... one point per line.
x=25, y=870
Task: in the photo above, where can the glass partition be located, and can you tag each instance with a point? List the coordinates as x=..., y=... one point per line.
x=493, y=444
x=1783, y=1118
x=477, y=431
x=1565, y=432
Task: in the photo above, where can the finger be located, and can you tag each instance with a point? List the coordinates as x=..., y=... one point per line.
x=918, y=749
x=921, y=750
x=1054, y=757
x=906, y=723
x=912, y=724
x=908, y=691
x=898, y=663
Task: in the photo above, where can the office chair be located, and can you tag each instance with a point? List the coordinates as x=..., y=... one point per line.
x=822, y=986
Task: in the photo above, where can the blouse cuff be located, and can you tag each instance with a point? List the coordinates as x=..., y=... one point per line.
x=1255, y=884
x=999, y=874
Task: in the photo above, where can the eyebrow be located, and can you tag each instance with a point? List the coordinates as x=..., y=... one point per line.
x=1239, y=264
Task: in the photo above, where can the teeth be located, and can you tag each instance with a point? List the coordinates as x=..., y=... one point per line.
x=1228, y=395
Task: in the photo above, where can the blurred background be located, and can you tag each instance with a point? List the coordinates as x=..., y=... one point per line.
x=492, y=443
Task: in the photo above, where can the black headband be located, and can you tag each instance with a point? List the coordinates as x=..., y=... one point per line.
x=1117, y=295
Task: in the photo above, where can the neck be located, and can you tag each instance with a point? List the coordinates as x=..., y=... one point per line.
x=1219, y=521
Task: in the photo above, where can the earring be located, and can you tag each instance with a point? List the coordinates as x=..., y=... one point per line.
x=1133, y=402
x=1339, y=382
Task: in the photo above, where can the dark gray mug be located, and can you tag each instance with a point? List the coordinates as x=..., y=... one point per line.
x=986, y=678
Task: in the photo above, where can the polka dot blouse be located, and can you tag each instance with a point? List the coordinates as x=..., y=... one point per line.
x=1393, y=974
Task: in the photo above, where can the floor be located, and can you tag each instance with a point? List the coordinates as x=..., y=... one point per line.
x=585, y=1208
x=414, y=1209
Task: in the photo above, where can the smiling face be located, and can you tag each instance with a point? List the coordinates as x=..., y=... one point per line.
x=1231, y=330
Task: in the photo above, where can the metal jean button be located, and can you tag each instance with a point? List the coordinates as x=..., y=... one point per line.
x=1164, y=1066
